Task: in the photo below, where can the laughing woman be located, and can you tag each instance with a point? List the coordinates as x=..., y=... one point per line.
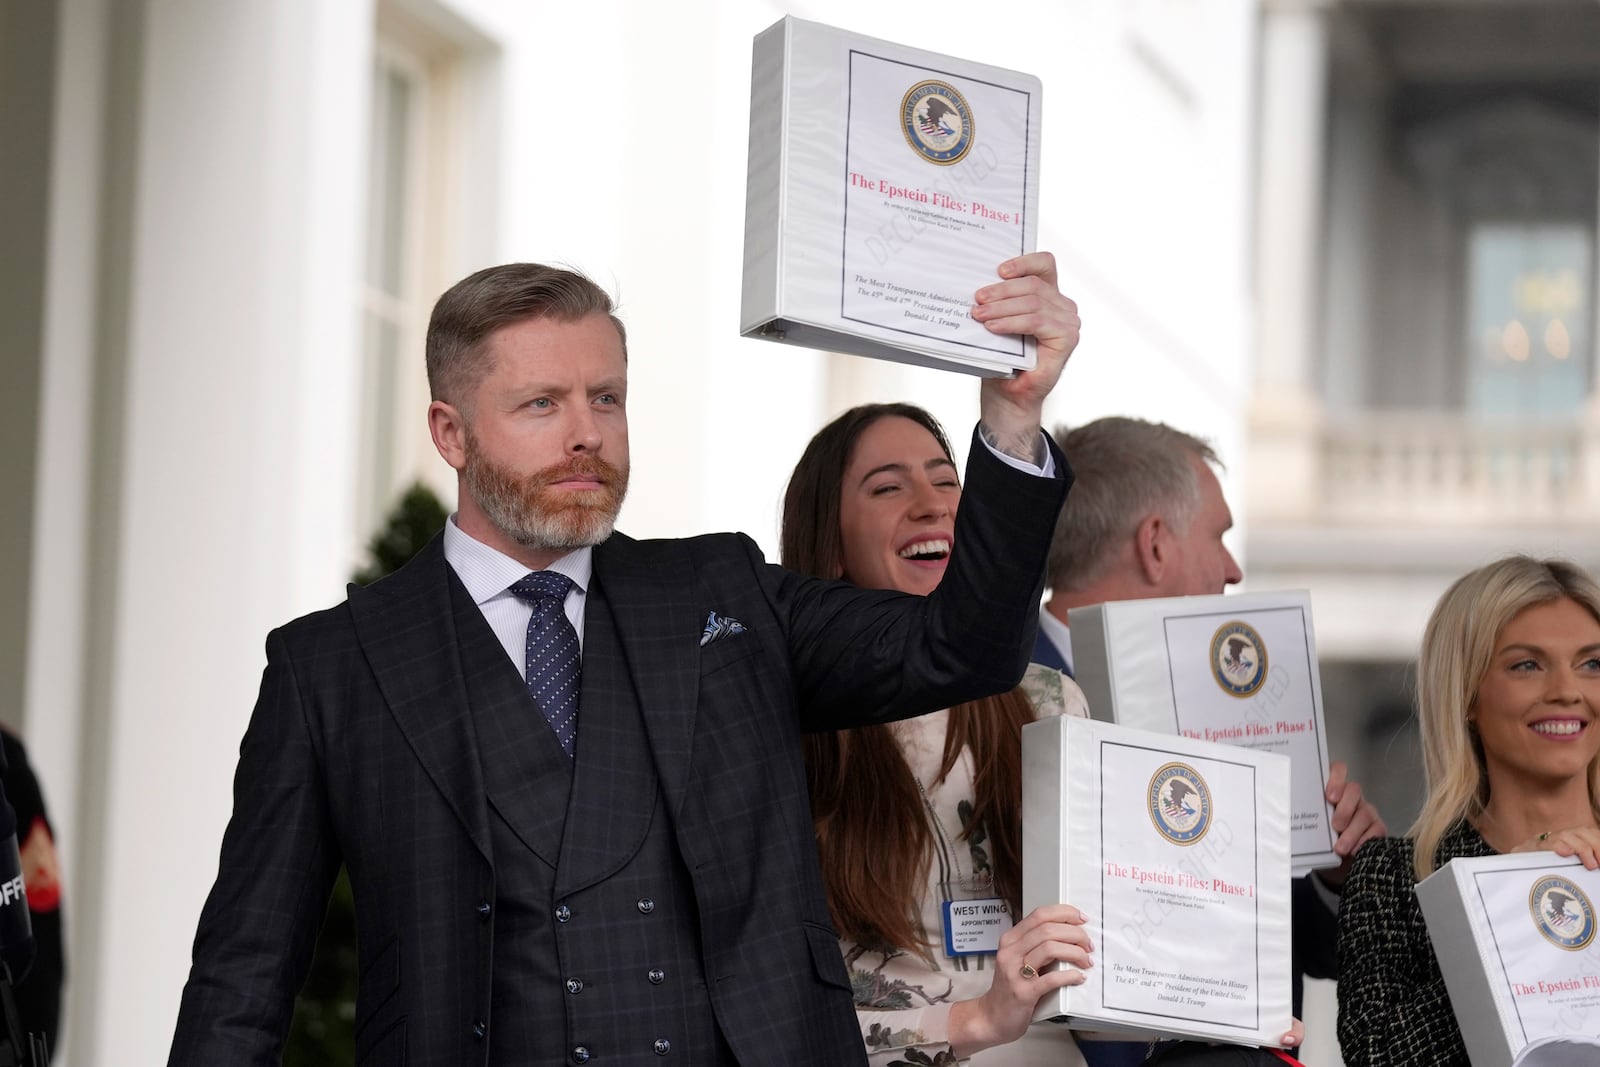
x=1508, y=691
x=916, y=814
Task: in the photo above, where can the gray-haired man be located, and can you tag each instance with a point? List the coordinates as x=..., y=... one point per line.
x=1146, y=518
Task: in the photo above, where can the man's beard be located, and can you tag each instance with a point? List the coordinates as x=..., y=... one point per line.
x=527, y=510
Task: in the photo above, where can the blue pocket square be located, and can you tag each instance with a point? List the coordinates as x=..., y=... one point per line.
x=718, y=627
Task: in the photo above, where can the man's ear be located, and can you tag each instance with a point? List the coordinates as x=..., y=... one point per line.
x=1150, y=548
x=449, y=431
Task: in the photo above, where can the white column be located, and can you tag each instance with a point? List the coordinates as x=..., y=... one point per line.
x=1358, y=95
x=1590, y=448
x=225, y=467
x=1285, y=411
x=70, y=520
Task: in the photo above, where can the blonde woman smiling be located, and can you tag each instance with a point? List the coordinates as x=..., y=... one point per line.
x=1508, y=692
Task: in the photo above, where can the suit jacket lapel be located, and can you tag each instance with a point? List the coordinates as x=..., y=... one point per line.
x=406, y=628
x=658, y=618
x=526, y=775
x=615, y=790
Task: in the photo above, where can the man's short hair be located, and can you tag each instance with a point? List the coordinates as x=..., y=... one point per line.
x=481, y=303
x=1123, y=470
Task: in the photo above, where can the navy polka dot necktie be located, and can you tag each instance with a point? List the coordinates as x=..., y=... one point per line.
x=554, y=661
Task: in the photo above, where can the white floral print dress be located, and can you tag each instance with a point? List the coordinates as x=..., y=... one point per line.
x=902, y=999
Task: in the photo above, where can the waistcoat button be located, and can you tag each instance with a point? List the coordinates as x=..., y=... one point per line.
x=657, y=976
x=483, y=909
x=662, y=1046
x=563, y=913
x=480, y=1030
x=646, y=905
x=580, y=1055
x=574, y=985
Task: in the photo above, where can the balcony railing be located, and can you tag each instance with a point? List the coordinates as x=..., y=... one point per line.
x=1434, y=467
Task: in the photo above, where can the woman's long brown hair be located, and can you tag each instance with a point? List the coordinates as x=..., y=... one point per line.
x=872, y=829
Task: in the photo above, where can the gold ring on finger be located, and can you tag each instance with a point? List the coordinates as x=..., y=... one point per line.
x=1028, y=971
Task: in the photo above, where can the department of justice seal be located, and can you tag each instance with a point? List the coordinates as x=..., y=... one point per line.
x=937, y=122
x=1238, y=659
x=1562, y=912
x=1180, y=803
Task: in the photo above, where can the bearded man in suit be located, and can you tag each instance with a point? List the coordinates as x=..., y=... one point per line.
x=563, y=766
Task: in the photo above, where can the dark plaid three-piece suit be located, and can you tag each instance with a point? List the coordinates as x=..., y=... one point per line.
x=655, y=901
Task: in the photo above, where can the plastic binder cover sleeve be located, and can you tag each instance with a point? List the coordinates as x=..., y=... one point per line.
x=1241, y=670
x=870, y=220
x=1515, y=938
x=1178, y=852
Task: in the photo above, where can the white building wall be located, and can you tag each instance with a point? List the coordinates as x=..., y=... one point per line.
x=607, y=135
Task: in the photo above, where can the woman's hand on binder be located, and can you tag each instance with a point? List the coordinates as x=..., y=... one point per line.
x=1580, y=841
x=1048, y=950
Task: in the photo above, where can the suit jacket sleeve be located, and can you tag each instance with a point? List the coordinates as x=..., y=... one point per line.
x=862, y=656
x=259, y=925
x=1315, y=931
